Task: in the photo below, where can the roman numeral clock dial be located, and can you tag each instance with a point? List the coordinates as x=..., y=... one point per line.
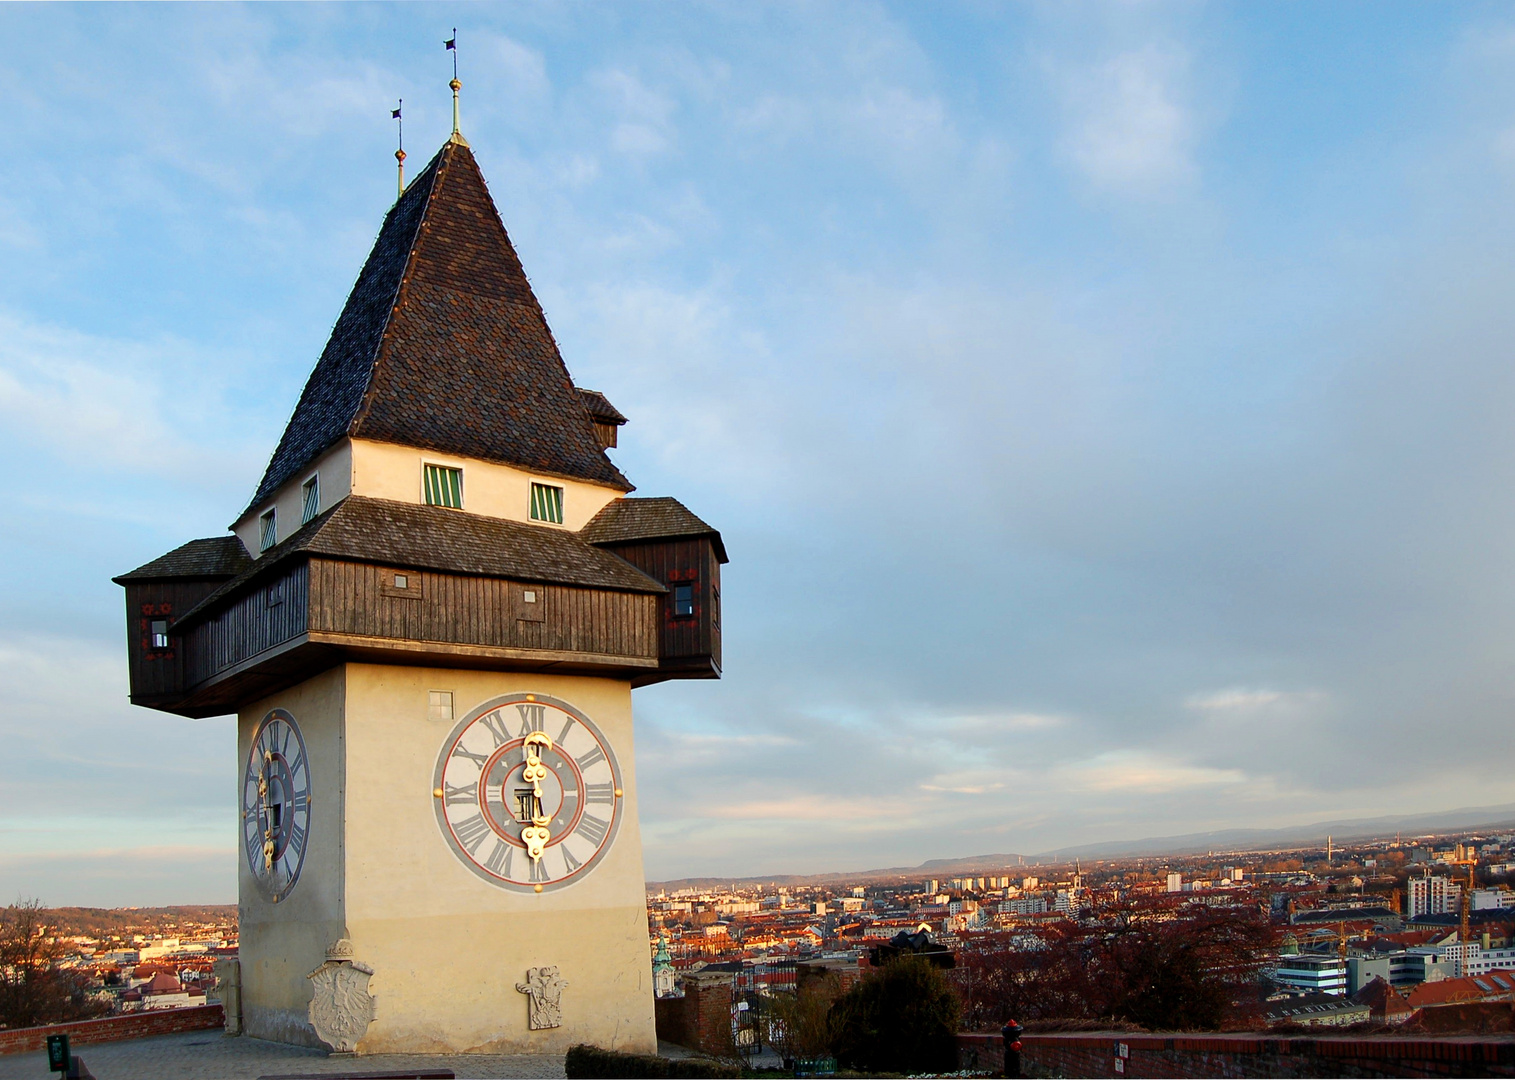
x=276, y=805
x=527, y=792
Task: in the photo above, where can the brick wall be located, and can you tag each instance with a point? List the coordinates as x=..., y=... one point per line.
x=114, y=1028
x=701, y=1019
x=1095, y=1055
x=670, y=1016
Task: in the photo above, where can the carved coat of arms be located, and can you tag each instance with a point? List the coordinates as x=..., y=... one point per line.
x=341, y=1008
x=544, y=988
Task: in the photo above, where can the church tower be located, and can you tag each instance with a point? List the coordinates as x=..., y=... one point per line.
x=429, y=620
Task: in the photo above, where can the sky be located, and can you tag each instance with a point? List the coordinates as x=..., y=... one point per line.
x=1106, y=407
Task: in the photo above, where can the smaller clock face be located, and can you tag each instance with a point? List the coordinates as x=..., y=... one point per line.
x=527, y=792
x=276, y=805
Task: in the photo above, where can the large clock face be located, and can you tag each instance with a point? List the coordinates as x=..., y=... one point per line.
x=276, y=805
x=527, y=792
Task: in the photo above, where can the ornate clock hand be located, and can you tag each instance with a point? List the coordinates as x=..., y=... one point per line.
x=536, y=835
x=268, y=832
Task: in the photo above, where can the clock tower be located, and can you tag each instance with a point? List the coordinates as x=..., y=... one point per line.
x=429, y=620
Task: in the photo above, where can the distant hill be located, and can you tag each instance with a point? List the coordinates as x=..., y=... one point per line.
x=974, y=864
x=106, y=922
x=1500, y=818
x=1343, y=831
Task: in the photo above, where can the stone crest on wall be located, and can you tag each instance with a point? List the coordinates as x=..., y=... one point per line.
x=341, y=1008
x=544, y=988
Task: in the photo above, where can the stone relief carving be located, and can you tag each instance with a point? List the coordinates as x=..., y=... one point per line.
x=544, y=988
x=341, y=1008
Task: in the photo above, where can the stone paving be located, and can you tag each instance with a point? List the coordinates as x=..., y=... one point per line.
x=209, y=1055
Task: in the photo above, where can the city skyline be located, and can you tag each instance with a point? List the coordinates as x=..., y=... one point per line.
x=1102, y=407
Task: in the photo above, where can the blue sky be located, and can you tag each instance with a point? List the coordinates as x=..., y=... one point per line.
x=1105, y=406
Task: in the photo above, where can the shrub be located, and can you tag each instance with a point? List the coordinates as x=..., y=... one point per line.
x=903, y=1019
x=591, y=1061
x=798, y=1025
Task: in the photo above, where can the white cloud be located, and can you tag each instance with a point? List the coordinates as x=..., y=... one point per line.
x=645, y=128
x=1141, y=773
x=1238, y=699
x=1130, y=128
x=96, y=407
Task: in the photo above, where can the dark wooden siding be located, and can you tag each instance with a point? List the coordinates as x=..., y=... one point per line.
x=251, y=624
x=682, y=562
x=358, y=598
x=158, y=672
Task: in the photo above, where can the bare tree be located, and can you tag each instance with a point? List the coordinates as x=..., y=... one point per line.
x=34, y=989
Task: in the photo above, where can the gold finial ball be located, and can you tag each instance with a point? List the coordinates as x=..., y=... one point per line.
x=537, y=887
x=400, y=155
x=456, y=86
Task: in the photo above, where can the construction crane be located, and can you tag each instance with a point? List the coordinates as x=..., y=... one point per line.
x=1470, y=861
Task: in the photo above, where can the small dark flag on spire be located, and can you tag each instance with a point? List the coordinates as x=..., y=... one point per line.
x=452, y=42
x=395, y=113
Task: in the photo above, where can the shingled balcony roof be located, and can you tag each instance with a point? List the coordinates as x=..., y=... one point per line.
x=630, y=521
x=213, y=557
x=443, y=346
x=435, y=538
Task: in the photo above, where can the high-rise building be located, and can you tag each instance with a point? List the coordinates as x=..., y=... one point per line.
x=1432, y=896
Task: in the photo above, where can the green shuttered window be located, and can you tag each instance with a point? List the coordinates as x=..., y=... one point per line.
x=310, y=493
x=268, y=531
x=444, y=486
x=547, y=503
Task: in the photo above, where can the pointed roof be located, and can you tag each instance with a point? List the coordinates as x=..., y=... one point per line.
x=442, y=345
x=626, y=521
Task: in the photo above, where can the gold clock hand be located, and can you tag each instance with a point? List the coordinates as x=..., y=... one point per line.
x=268, y=832
x=536, y=835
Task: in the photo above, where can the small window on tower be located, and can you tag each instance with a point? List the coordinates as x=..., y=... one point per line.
x=683, y=600
x=439, y=705
x=268, y=533
x=311, y=492
x=444, y=486
x=158, y=634
x=547, y=503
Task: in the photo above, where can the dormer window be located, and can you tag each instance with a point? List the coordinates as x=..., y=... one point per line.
x=268, y=533
x=310, y=493
x=547, y=503
x=683, y=600
x=444, y=486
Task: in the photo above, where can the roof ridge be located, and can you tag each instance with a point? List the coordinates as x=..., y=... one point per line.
x=441, y=159
x=288, y=458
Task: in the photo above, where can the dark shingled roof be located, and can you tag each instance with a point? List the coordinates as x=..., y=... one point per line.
x=442, y=345
x=216, y=556
x=600, y=408
x=435, y=538
x=626, y=521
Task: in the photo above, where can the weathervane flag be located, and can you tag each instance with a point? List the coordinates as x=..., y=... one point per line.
x=400, y=153
x=452, y=47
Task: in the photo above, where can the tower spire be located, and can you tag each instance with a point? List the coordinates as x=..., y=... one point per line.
x=452, y=47
x=400, y=153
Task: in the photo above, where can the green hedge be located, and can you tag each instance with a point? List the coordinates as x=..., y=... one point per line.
x=592, y=1062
